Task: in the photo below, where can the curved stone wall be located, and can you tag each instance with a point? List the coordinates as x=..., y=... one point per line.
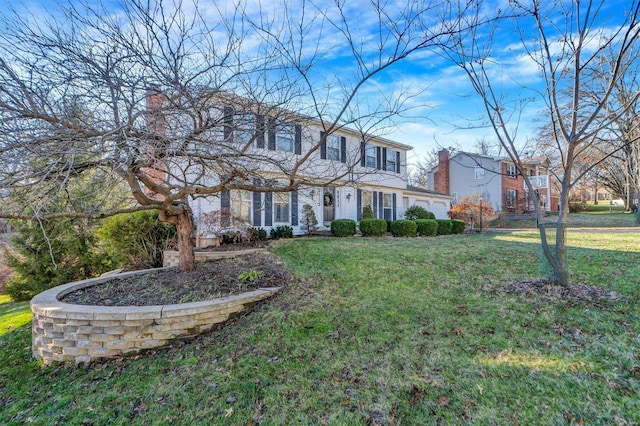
x=80, y=333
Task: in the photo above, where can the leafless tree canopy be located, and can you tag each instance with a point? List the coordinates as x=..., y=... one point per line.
x=581, y=59
x=150, y=103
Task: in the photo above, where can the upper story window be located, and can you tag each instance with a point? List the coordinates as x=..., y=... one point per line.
x=284, y=138
x=333, y=147
x=511, y=170
x=480, y=172
x=391, y=161
x=244, y=128
x=370, y=153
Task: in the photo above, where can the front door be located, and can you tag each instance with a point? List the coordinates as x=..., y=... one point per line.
x=328, y=202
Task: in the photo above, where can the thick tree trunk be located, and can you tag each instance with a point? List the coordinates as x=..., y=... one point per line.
x=185, y=229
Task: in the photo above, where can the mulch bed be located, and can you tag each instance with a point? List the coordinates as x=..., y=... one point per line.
x=208, y=281
x=547, y=291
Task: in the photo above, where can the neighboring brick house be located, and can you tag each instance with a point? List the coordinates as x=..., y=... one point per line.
x=494, y=178
x=375, y=174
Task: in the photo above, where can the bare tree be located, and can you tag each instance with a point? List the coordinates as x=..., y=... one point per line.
x=568, y=38
x=179, y=102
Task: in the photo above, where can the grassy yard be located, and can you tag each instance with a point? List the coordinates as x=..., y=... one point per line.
x=377, y=331
x=590, y=219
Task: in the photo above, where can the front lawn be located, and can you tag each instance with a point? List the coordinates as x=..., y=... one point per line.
x=378, y=331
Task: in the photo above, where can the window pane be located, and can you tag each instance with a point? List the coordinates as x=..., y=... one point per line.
x=391, y=161
x=284, y=138
x=245, y=127
x=281, y=207
x=371, y=156
x=241, y=205
x=386, y=200
x=366, y=198
x=333, y=147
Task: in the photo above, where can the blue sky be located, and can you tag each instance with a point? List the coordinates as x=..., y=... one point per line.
x=446, y=111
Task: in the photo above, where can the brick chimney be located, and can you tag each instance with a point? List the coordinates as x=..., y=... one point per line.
x=155, y=120
x=441, y=177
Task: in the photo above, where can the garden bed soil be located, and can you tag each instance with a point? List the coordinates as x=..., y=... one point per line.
x=544, y=290
x=209, y=280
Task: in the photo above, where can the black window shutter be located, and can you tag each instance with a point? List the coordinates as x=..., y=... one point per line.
x=268, y=209
x=271, y=134
x=260, y=131
x=397, y=161
x=294, y=208
x=375, y=204
x=363, y=153
x=384, y=158
x=393, y=205
x=323, y=147
x=343, y=149
x=228, y=123
x=359, y=203
x=225, y=208
x=298, y=140
x=257, y=210
x=381, y=205
x=379, y=158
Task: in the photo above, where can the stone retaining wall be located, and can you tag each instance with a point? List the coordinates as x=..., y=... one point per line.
x=80, y=333
x=170, y=258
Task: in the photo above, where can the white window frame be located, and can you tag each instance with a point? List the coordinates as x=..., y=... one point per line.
x=512, y=170
x=391, y=161
x=387, y=204
x=333, y=147
x=241, y=201
x=285, y=136
x=480, y=173
x=454, y=198
x=281, y=207
x=371, y=156
x=367, y=199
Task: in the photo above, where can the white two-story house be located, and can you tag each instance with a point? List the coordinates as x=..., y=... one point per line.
x=336, y=173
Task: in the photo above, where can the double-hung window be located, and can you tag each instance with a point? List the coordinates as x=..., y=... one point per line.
x=281, y=207
x=241, y=205
x=333, y=147
x=244, y=128
x=284, y=137
x=391, y=161
x=387, y=205
x=370, y=153
x=511, y=170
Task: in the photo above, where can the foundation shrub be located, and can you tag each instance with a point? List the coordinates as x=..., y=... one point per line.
x=373, y=227
x=427, y=227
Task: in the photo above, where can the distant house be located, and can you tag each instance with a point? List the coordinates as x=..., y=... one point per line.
x=371, y=172
x=496, y=179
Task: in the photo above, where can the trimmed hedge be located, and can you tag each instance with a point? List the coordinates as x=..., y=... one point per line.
x=458, y=226
x=444, y=226
x=416, y=212
x=403, y=228
x=373, y=227
x=427, y=227
x=343, y=227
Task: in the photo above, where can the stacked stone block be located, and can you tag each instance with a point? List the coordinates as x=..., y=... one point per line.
x=79, y=333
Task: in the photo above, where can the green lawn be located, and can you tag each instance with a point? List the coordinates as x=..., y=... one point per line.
x=591, y=219
x=377, y=331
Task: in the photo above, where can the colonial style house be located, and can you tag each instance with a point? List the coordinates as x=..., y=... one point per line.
x=347, y=173
x=496, y=179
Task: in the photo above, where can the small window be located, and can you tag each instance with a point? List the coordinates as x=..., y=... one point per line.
x=480, y=173
x=511, y=170
x=391, y=161
x=281, y=207
x=241, y=205
x=454, y=198
x=512, y=197
x=333, y=147
x=367, y=198
x=371, y=156
x=284, y=138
